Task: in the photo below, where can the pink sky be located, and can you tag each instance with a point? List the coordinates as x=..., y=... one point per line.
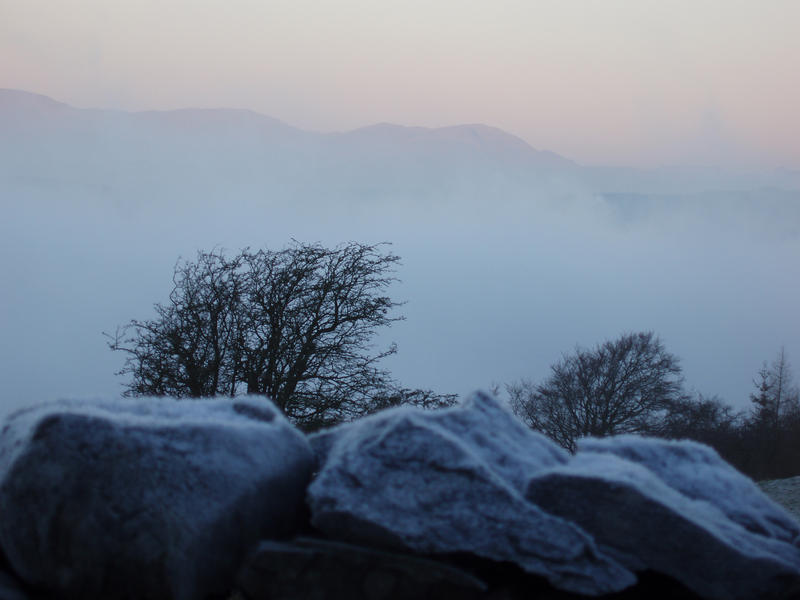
x=636, y=82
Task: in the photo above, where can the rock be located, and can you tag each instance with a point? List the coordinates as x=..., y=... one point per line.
x=684, y=531
x=785, y=492
x=10, y=589
x=697, y=471
x=451, y=481
x=313, y=569
x=321, y=442
x=513, y=450
x=147, y=498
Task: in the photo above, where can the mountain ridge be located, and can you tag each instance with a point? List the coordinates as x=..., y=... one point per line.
x=42, y=126
x=475, y=136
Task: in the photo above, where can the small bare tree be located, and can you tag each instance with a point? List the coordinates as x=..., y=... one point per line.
x=622, y=386
x=296, y=325
x=776, y=395
x=772, y=430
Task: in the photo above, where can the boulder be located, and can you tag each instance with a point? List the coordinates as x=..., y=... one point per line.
x=311, y=569
x=451, y=482
x=697, y=471
x=664, y=520
x=10, y=588
x=146, y=498
x=493, y=434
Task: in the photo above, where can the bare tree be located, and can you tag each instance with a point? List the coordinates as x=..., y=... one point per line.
x=772, y=431
x=186, y=351
x=703, y=419
x=622, y=386
x=776, y=395
x=296, y=325
x=421, y=398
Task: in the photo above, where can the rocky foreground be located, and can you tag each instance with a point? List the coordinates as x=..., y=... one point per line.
x=185, y=500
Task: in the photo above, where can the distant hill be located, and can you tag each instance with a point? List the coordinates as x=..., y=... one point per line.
x=221, y=152
x=27, y=118
x=490, y=142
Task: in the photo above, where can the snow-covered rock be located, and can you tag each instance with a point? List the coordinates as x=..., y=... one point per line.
x=785, y=492
x=697, y=471
x=656, y=514
x=147, y=498
x=450, y=482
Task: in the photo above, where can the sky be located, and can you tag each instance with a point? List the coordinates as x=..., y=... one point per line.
x=500, y=275
x=619, y=82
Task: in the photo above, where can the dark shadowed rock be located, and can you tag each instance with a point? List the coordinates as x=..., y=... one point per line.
x=146, y=498
x=311, y=569
x=321, y=442
x=451, y=481
x=10, y=588
x=682, y=531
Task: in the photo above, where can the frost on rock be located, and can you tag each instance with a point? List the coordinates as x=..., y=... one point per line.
x=486, y=429
x=648, y=523
x=697, y=471
x=149, y=498
x=450, y=481
x=498, y=438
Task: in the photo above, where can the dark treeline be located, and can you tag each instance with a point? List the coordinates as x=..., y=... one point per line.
x=633, y=385
x=763, y=442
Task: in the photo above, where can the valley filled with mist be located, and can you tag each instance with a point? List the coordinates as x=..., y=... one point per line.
x=511, y=255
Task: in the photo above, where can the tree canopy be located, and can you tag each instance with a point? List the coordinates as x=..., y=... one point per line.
x=296, y=325
x=622, y=386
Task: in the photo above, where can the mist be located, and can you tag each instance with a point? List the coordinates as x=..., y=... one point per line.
x=510, y=256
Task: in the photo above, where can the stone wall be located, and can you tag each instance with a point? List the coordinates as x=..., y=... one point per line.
x=159, y=498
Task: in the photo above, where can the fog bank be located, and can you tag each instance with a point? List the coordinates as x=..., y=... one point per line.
x=511, y=256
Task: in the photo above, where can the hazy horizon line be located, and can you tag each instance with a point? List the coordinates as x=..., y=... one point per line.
x=279, y=120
